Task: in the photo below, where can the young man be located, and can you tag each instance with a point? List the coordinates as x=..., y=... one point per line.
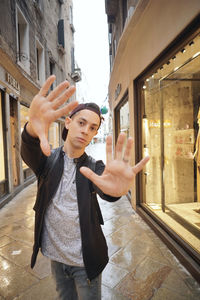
x=67, y=214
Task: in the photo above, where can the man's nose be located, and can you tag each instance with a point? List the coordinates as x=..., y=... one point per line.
x=85, y=129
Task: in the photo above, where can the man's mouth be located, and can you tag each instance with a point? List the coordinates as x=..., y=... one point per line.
x=82, y=140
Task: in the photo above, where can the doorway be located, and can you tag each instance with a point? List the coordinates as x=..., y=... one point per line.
x=14, y=141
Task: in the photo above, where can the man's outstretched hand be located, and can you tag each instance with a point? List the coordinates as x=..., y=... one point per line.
x=118, y=175
x=46, y=109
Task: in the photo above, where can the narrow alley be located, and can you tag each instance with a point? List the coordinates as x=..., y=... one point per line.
x=141, y=267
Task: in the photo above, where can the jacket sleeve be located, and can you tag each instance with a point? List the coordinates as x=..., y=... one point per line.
x=99, y=170
x=31, y=152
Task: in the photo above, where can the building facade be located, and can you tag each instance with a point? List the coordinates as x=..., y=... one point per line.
x=36, y=40
x=154, y=95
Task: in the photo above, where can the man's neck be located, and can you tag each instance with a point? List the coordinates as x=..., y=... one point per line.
x=71, y=151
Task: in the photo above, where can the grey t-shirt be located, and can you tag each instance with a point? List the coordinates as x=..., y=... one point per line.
x=61, y=237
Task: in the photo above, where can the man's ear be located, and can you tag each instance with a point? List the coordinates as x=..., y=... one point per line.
x=67, y=122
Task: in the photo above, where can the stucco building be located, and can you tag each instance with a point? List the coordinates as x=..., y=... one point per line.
x=154, y=96
x=36, y=40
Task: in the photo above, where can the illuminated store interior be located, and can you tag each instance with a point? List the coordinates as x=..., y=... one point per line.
x=171, y=136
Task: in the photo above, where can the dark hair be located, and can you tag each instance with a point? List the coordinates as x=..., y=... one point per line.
x=90, y=106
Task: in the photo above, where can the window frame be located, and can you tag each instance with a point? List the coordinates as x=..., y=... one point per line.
x=23, y=53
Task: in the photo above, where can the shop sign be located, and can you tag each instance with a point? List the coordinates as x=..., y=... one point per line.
x=12, y=81
x=156, y=124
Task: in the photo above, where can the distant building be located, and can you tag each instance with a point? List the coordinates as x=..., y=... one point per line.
x=154, y=96
x=36, y=40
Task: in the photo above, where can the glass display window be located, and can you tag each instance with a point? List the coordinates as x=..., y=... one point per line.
x=2, y=159
x=170, y=107
x=122, y=122
x=23, y=119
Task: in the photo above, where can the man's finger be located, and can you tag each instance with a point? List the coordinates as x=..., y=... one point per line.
x=137, y=168
x=108, y=149
x=65, y=110
x=63, y=98
x=44, y=89
x=87, y=172
x=58, y=90
x=128, y=148
x=119, y=146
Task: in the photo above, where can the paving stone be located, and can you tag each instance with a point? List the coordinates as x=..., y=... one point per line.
x=7, y=229
x=143, y=288
x=193, y=285
x=110, y=294
x=18, y=253
x=175, y=283
x=4, y=240
x=130, y=256
x=44, y=289
x=114, y=224
x=125, y=234
x=112, y=275
x=42, y=268
x=23, y=234
x=13, y=279
x=9, y=219
x=27, y=222
x=166, y=294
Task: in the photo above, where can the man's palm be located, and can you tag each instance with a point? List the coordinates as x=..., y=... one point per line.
x=46, y=109
x=118, y=175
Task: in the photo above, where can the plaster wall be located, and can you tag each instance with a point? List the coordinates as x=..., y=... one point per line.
x=153, y=26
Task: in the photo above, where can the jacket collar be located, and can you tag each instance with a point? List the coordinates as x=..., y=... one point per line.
x=78, y=160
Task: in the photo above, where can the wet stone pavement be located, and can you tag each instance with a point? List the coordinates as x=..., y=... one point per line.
x=141, y=267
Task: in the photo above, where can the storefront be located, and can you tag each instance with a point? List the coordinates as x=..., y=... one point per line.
x=169, y=108
x=14, y=110
x=12, y=175
x=154, y=93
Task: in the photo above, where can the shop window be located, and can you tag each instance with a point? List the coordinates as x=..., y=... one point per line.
x=170, y=97
x=54, y=135
x=23, y=120
x=122, y=117
x=124, y=11
x=2, y=159
x=122, y=123
x=22, y=41
x=40, y=64
x=52, y=68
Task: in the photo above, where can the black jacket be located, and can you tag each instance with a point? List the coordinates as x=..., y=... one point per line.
x=49, y=171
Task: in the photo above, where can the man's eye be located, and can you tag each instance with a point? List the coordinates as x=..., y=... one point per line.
x=81, y=122
x=92, y=128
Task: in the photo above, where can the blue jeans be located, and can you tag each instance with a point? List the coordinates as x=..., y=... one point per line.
x=72, y=283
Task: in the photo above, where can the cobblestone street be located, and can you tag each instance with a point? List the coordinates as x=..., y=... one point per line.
x=141, y=267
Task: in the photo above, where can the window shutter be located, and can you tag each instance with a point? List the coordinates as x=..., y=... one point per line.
x=61, y=40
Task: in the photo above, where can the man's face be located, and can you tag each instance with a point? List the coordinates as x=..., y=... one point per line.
x=82, y=127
